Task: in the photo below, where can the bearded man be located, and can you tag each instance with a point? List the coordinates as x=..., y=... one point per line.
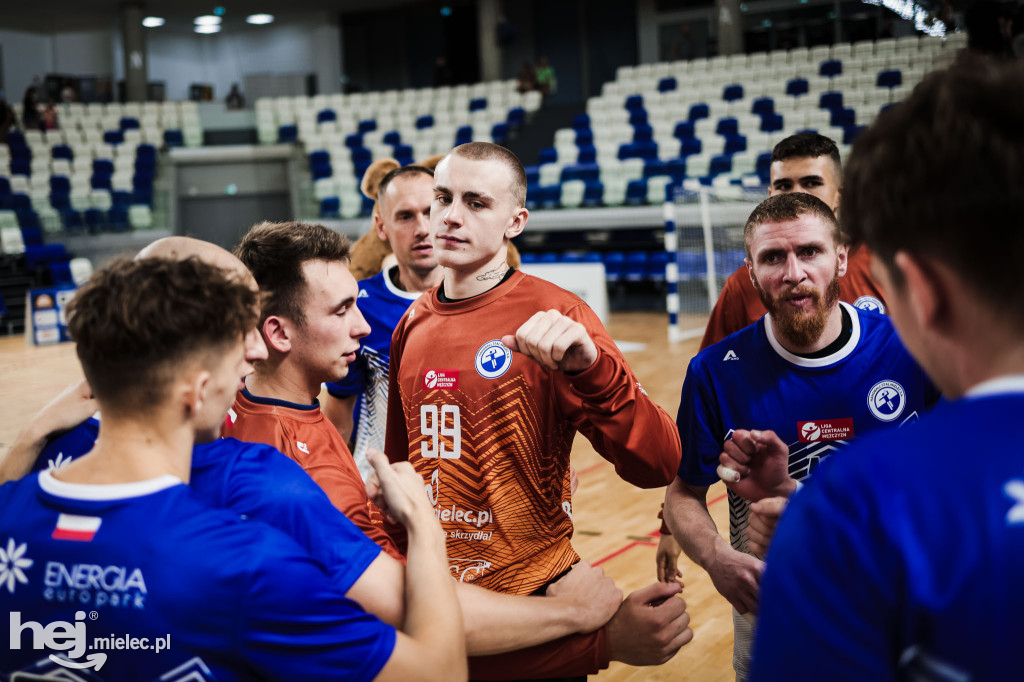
x=816, y=371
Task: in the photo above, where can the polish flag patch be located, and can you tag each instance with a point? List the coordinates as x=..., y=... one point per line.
x=77, y=528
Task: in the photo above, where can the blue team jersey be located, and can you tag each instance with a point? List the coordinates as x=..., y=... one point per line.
x=383, y=305
x=256, y=482
x=103, y=575
x=916, y=568
x=816, y=406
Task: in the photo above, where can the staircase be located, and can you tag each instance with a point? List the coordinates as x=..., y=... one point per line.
x=539, y=132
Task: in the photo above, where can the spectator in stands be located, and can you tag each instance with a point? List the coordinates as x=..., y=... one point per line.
x=235, y=99
x=68, y=94
x=49, y=120
x=30, y=119
x=547, y=83
x=527, y=79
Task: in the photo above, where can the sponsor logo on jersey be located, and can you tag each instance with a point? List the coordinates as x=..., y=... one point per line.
x=493, y=359
x=870, y=303
x=302, y=446
x=58, y=462
x=1014, y=489
x=828, y=429
x=468, y=570
x=731, y=355
x=77, y=528
x=640, y=388
x=13, y=564
x=886, y=400
x=84, y=584
x=363, y=294
x=440, y=379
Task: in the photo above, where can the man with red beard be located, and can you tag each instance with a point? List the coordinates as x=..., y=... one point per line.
x=815, y=371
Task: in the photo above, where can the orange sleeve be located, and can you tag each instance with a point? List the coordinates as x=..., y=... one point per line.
x=396, y=433
x=738, y=306
x=858, y=280
x=609, y=406
x=571, y=656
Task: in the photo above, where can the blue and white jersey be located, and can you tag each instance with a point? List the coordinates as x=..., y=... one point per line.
x=141, y=581
x=816, y=406
x=916, y=569
x=256, y=482
x=383, y=305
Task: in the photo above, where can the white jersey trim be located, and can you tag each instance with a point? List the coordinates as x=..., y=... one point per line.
x=1010, y=383
x=408, y=295
x=840, y=354
x=110, y=491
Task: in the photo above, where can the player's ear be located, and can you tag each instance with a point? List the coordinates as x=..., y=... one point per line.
x=277, y=331
x=842, y=258
x=925, y=289
x=518, y=224
x=378, y=226
x=193, y=390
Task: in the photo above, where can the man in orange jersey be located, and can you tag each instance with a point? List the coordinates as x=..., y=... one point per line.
x=492, y=375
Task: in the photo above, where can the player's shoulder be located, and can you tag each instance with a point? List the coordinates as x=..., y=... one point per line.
x=536, y=286
x=736, y=348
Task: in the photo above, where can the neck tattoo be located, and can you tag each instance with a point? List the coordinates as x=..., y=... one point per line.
x=496, y=273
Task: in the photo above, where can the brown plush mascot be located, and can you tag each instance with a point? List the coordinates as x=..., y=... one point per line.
x=369, y=252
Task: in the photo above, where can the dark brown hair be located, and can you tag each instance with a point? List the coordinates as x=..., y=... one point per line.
x=789, y=206
x=942, y=174
x=275, y=252
x=136, y=322
x=487, y=151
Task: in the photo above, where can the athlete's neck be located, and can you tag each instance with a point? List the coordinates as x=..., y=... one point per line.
x=460, y=284
x=282, y=383
x=413, y=281
x=130, y=450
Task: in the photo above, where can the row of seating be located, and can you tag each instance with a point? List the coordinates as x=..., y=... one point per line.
x=644, y=266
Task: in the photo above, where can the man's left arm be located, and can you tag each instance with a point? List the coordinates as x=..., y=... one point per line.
x=601, y=396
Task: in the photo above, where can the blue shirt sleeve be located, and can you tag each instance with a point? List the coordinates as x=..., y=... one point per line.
x=294, y=625
x=830, y=586
x=68, y=446
x=698, y=424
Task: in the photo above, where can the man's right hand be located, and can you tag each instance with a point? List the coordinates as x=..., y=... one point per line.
x=397, y=489
x=591, y=593
x=755, y=465
x=737, y=577
x=650, y=626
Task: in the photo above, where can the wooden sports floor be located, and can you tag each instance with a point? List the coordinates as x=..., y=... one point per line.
x=616, y=524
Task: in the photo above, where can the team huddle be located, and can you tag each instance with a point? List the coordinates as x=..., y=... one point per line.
x=191, y=507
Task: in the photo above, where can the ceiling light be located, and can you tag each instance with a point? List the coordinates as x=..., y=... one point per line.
x=207, y=20
x=260, y=18
x=153, y=22
x=208, y=29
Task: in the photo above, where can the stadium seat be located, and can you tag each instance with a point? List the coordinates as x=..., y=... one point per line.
x=572, y=193
x=140, y=217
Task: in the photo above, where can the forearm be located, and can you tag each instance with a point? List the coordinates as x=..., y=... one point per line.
x=23, y=452
x=432, y=613
x=496, y=623
x=687, y=516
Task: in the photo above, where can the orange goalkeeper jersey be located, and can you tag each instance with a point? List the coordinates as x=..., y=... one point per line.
x=490, y=430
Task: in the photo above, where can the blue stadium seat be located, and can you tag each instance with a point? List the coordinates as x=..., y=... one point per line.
x=634, y=102
x=721, y=163
x=584, y=137
x=174, y=138
x=319, y=156
x=60, y=271
x=763, y=166
x=642, y=133
x=354, y=141
x=727, y=126
x=762, y=106
x=526, y=257
x=62, y=151
x=499, y=133
x=100, y=180
x=28, y=218
x=145, y=151
x=532, y=175
x=129, y=123
x=588, y=154
x=653, y=167
x=593, y=194
x=797, y=86
x=771, y=123
x=675, y=168
x=684, y=130
x=425, y=121
x=636, y=192
x=635, y=266
x=831, y=100
x=60, y=200
x=478, y=104
x=287, y=134
x=321, y=170
x=549, y=196
x=547, y=155
x=117, y=218
x=516, y=116
x=691, y=265
x=463, y=135
x=403, y=154
x=95, y=220
x=330, y=207
x=587, y=172
x=60, y=183
x=733, y=92
x=72, y=220
x=392, y=138
x=830, y=68
x=361, y=155
x=367, y=126
x=889, y=79
x=638, y=117
x=667, y=84
x=325, y=115
x=548, y=257
x=735, y=143
x=690, y=146
x=657, y=261
x=144, y=165
x=113, y=137
x=16, y=139
x=843, y=116
x=142, y=181
x=614, y=262
x=20, y=201
x=21, y=166
x=581, y=122
x=698, y=111
x=850, y=133
x=5, y=186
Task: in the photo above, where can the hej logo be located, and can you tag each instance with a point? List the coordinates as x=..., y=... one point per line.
x=58, y=636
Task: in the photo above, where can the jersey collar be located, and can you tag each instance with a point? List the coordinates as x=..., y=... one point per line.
x=110, y=491
x=840, y=354
x=408, y=295
x=1010, y=383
